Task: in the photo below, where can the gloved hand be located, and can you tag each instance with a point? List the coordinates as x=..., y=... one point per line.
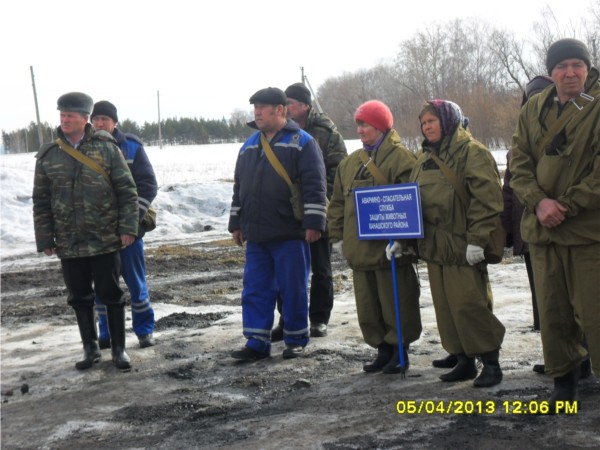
x=393, y=250
x=337, y=247
x=474, y=254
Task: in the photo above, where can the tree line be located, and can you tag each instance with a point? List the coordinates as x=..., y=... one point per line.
x=183, y=131
x=482, y=68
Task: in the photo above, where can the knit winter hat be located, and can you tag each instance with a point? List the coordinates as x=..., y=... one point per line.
x=299, y=92
x=567, y=49
x=76, y=102
x=376, y=114
x=535, y=86
x=105, y=108
x=269, y=96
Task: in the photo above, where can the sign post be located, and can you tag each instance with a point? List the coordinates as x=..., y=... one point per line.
x=390, y=212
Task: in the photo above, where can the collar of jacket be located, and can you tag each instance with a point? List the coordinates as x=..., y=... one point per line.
x=450, y=144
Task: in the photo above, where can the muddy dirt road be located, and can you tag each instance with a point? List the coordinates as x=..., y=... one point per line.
x=186, y=392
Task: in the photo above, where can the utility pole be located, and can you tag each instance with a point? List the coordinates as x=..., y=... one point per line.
x=307, y=83
x=159, y=131
x=37, y=110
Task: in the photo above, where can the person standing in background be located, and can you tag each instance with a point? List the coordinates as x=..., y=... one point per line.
x=556, y=176
x=333, y=149
x=133, y=267
x=85, y=209
x=513, y=209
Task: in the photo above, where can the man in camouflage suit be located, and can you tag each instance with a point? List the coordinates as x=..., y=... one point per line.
x=556, y=175
x=85, y=215
x=333, y=149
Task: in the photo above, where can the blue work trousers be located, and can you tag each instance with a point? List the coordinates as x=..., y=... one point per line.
x=281, y=266
x=133, y=270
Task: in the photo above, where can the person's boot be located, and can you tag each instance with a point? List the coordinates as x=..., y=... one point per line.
x=393, y=365
x=586, y=368
x=277, y=332
x=89, y=338
x=539, y=368
x=491, y=374
x=116, y=327
x=384, y=354
x=565, y=389
x=445, y=363
x=464, y=370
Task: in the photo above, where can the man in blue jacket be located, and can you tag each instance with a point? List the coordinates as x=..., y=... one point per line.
x=277, y=244
x=133, y=267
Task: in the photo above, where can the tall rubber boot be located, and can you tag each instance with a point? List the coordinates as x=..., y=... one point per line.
x=565, y=389
x=116, y=328
x=393, y=365
x=445, y=363
x=89, y=338
x=464, y=370
x=384, y=354
x=491, y=374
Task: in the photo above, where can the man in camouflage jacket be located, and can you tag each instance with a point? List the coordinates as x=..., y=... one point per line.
x=84, y=217
x=558, y=182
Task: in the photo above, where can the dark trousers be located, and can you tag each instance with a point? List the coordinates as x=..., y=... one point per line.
x=536, y=315
x=100, y=273
x=321, y=283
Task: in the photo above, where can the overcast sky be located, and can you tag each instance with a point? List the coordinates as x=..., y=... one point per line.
x=208, y=57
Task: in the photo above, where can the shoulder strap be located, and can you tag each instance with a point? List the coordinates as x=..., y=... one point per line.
x=370, y=165
x=566, y=116
x=456, y=184
x=273, y=160
x=82, y=158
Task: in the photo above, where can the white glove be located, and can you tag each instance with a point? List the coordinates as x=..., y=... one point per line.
x=395, y=249
x=474, y=254
x=337, y=247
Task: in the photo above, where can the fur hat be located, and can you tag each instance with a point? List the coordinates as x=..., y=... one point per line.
x=269, y=96
x=299, y=92
x=567, y=49
x=376, y=114
x=105, y=108
x=76, y=102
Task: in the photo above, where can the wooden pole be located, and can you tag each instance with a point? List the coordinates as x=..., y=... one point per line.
x=37, y=110
x=159, y=130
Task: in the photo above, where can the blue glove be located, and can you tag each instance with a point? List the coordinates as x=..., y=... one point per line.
x=474, y=254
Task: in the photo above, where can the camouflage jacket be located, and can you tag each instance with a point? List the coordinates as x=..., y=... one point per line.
x=75, y=209
x=568, y=170
x=330, y=141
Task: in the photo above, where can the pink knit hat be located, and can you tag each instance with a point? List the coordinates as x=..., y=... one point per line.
x=376, y=114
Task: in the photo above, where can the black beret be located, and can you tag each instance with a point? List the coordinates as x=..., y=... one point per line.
x=269, y=96
x=105, y=108
x=567, y=49
x=75, y=101
x=299, y=92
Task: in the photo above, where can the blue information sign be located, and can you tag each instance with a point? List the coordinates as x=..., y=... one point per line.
x=389, y=212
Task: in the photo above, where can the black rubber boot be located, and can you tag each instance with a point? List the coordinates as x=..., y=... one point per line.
x=565, y=389
x=445, y=363
x=464, y=370
x=277, y=332
x=491, y=374
x=89, y=338
x=586, y=369
x=116, y=328
x=384, y=354
x=393, y=365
